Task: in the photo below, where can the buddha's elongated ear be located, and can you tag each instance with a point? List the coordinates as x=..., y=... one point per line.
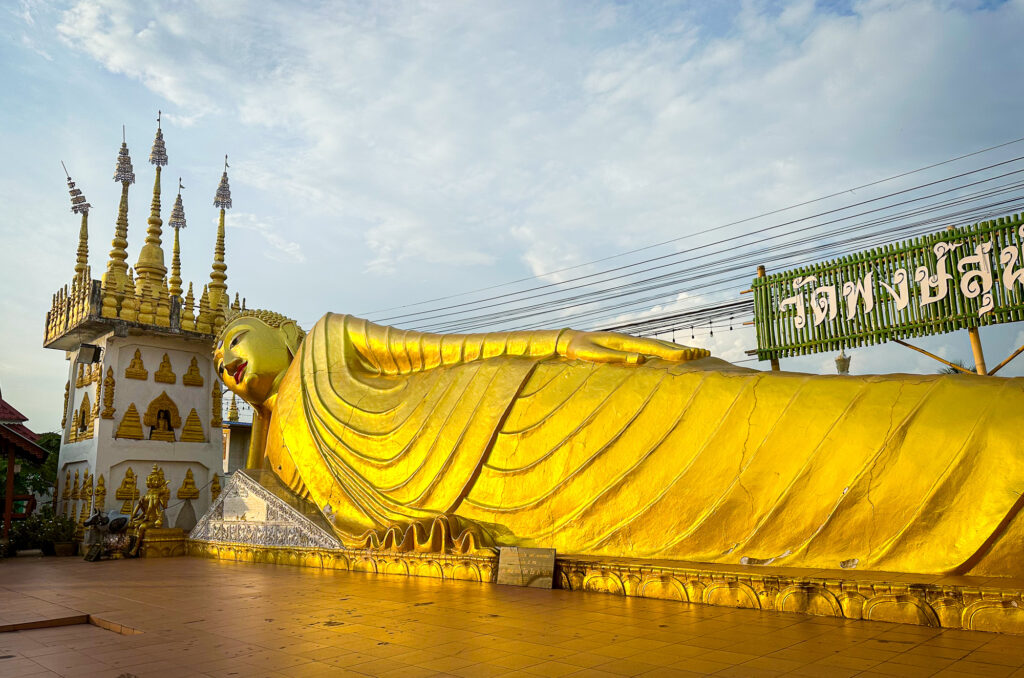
x=293, y=336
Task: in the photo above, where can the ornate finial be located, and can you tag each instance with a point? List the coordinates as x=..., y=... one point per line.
x=115, y=279
x=218, y=276
x=79, y=206
x=124, y=173
x=150, y=266
x=223, y=197
x=233, y=409
x=177, y=219
x=177, y=222
x=78, y=203
x=158, y=156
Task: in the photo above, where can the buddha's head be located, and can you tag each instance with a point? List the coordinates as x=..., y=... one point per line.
x=253, y=351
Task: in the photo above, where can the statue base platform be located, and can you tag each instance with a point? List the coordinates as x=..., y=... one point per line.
x=257, y=520
x=164, y=542
x=957, y=602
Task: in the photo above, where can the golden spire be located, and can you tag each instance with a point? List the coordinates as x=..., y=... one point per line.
x=218, y=287
x=175, y=279
x=117, y=270
x=129, y=304
x=188, y=319
x=150, y=267
x=80, y=206
x=233, y=410
x=177, y=222
x=204, y=320
x=144, y=301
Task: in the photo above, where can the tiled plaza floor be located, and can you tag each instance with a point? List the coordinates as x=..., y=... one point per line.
x=209, y=618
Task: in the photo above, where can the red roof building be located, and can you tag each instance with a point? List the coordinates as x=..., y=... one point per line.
x=16, y=441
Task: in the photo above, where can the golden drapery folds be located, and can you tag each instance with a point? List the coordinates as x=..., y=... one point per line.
x=500, y=439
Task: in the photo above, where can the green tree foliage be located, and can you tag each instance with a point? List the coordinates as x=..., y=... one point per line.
x=37, y=478
x=953, y=370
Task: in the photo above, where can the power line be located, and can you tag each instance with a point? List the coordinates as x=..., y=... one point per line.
x=731, y=283
x=705, y=278
x=709, y=230
x=431, y=314
x=605, y=294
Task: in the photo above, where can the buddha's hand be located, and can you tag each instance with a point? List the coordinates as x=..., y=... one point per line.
x=612, y=347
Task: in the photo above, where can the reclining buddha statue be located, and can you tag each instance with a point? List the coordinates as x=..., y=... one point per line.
x=610, y=445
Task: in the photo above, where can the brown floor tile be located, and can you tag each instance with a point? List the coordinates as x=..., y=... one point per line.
x=201, y=617
x=627, y=667
x=667, y=672
x=699, y=665
x=552, y=669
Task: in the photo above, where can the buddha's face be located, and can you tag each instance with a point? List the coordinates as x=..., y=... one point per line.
x=251, y=359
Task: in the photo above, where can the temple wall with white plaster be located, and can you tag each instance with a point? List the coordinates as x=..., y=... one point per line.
x=110, y=456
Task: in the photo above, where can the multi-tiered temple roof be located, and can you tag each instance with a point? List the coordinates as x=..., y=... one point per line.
x=143, y=298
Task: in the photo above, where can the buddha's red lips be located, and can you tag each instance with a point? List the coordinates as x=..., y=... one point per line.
x=239, y=371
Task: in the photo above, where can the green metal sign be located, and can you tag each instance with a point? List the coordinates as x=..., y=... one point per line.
x=951, y=280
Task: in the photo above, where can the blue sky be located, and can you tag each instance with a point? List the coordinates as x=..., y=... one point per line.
x=391, y=152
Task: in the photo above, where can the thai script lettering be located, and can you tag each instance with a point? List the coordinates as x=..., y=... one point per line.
x=934, y=283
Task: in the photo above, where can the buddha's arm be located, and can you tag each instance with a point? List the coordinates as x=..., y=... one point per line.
x=388, y=350
x=393, y=351
x=257, y=442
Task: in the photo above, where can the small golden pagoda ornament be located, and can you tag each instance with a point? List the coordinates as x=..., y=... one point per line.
x=193, y=430
x=131, y=425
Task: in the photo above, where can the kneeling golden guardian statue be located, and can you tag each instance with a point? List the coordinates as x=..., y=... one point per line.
x=605, y=444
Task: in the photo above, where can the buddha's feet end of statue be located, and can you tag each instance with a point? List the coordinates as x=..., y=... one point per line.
x=444, y=533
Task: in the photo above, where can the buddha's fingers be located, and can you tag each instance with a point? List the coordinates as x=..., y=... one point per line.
x=655, y=348
x=597, y=353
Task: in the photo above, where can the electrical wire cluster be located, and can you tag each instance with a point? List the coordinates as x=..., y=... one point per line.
x=694, y=290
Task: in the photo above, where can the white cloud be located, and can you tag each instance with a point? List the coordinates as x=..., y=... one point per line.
x=454, y=113
x=446, y=147
x=28, y=43
x=26, y=11
x=279, y=248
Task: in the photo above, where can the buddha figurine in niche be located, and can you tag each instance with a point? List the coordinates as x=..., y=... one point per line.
x=162, y=429
x=605, y=444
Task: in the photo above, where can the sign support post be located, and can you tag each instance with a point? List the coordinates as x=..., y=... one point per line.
x=774, y=361
x=979, y=355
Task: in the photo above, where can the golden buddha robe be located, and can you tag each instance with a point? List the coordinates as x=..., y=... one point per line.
x=698, y=461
